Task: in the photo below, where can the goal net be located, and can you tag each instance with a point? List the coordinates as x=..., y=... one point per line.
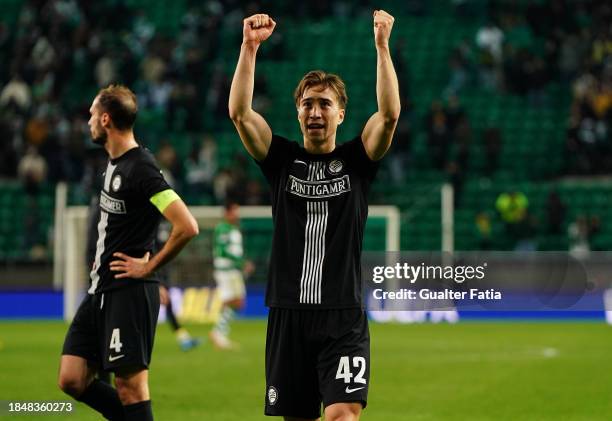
x=191, y=270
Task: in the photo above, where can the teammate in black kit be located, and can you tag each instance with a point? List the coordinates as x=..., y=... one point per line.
x=114, y=327
x=318, y=345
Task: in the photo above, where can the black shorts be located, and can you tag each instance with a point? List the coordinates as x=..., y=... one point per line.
x=115, y=329
x=314, y=357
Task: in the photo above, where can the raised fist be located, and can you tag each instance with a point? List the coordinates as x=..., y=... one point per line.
x=383, y=23
x=257, y=28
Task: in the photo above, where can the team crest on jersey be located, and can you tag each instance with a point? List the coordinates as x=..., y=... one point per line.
x=335, y=167
x=116, y=183
x=272, y=395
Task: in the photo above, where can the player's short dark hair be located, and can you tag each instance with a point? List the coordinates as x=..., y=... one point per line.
x=120, y=103
x=230, y=203
x=327, y=80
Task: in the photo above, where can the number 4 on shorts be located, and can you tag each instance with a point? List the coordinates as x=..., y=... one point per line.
x=115, y=342
x=344, y=369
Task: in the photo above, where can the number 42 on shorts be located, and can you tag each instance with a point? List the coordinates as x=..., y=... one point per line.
x=344, y=369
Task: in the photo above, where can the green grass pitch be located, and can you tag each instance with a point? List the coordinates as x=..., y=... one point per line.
x=469, y=371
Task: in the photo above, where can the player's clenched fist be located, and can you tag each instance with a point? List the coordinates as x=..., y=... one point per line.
x=383, y=23
x=257, y=28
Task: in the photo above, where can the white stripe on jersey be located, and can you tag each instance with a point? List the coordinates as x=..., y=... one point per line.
x=95, y=277
x=314, y=244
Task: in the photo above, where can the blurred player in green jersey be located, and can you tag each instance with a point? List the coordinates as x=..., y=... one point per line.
x=229, y=270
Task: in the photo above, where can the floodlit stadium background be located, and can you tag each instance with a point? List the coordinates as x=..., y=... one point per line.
x=497, y=97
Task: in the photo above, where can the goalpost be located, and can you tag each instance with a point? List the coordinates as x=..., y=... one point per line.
x=193, y=266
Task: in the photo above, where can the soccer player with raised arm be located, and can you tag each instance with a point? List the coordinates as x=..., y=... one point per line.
x=318, y=343
x=114, y=327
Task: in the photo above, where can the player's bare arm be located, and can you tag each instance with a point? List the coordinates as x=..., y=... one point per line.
x=378, y=131
x=184, y=228
x=254, y=131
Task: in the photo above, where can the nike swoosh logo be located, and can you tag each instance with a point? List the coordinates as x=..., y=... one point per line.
x=348, y=390
x=297, y=161
x=116, y=357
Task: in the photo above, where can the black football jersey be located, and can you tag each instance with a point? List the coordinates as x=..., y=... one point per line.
x=128, y=220
x=319, y=208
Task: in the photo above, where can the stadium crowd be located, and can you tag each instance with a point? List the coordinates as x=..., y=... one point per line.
x=58, y=48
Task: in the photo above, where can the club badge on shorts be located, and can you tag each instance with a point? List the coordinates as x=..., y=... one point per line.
x=272, y=395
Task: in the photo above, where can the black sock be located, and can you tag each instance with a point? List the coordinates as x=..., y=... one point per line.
x=140, y=411
x=171, y=317
x=104, y=399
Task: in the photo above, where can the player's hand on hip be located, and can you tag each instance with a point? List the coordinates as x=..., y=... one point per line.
x=383, y=23
x=257, y=28
x=131, y=267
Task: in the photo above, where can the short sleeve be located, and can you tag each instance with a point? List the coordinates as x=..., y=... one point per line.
x=357, y=153
x=148, y=179
x=279, y=152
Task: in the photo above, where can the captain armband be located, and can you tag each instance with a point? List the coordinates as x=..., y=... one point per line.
x=163, y=199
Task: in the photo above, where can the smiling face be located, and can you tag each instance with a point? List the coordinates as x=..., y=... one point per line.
x=319, y=114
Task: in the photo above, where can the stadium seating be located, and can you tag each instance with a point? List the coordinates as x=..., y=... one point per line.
x=532, y=137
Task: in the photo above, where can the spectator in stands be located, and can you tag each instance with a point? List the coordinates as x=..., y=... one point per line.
x=579, y=234
x=573, y=48
x=76, y=148
x=456, y=176
x=602, y=46
x=106, y=70
x=254, y=194
x=460, y=69
x=489, y=39
x=455, y=115
x=232, y=182
x=201, y=167
x=589, y=147
x=261, y=99
x=16, y=93
x=555, y=211
x=483, y=226
x=438, y=134
x=169, y=164
x=218, y=95
x=461, y=8
x=513, y=210
x=512, y=207
x=527, y=235
x=223, y=185
x=184, y=100
x=32, y=171
x=399, y=155
x=143, y=31
x=491, y=138
x=537, y=78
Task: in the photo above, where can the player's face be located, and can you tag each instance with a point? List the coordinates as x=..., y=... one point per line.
x=232, y=214
x=98, y=134
x=319, y=114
